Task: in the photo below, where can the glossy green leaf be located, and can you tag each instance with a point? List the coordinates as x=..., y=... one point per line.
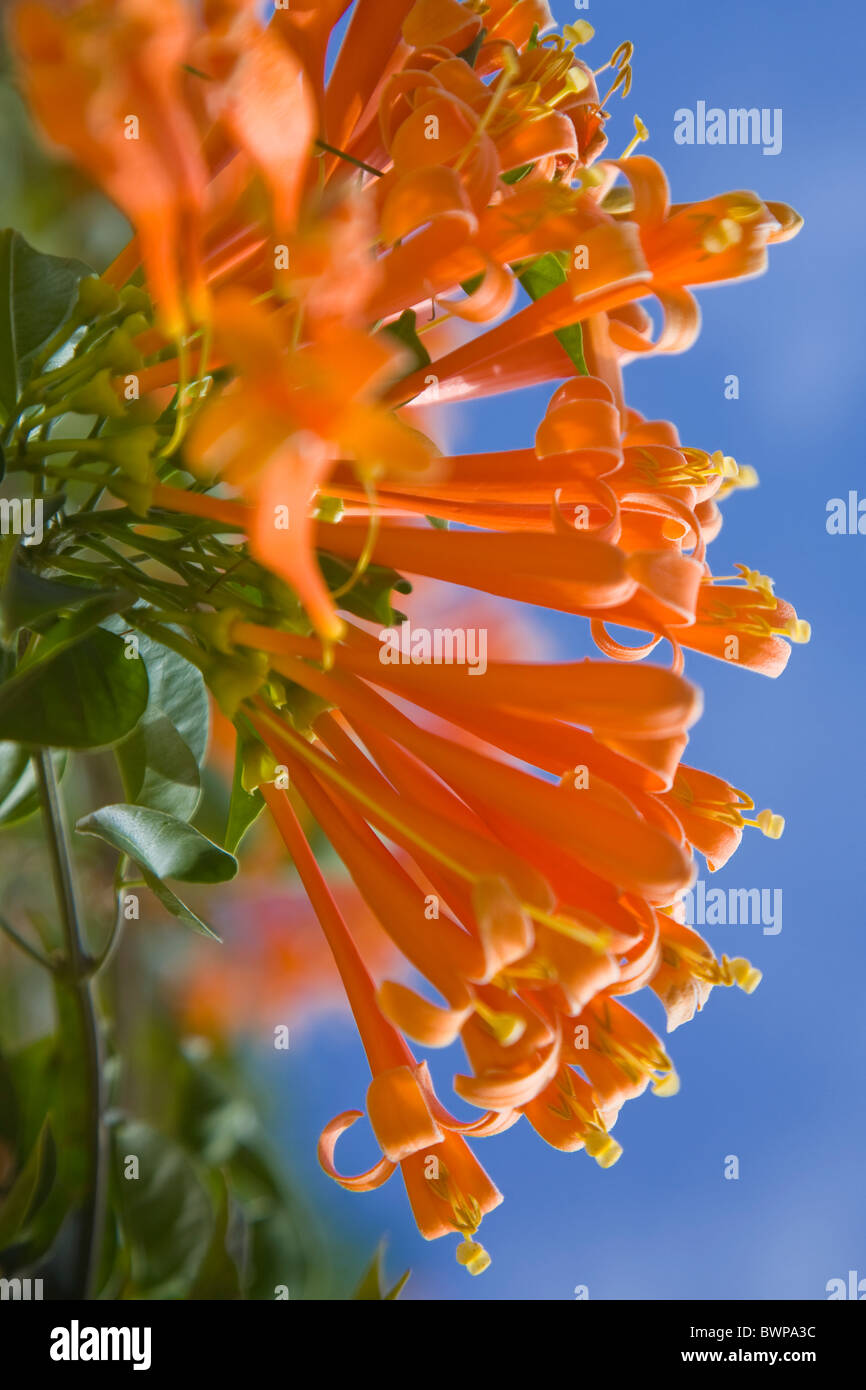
x=538, y=278
x=160, y=843
x=19, y=791
x=67, y=631
x=87, y=695
x=37, y=295
x=160, y=761
x=163, y=847
x=28, y=598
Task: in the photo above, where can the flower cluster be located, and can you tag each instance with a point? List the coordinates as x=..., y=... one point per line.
x=307, y=237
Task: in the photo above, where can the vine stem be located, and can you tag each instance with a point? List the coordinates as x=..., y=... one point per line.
x=78, y=980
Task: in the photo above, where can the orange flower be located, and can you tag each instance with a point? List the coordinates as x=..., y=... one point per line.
x=524, y=840
x=277, y=432
x=448, y=1188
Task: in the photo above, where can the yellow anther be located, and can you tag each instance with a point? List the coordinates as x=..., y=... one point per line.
x=600, y=1146
x=620, y=59
x=755, y=580
x=746, y=476
x=641, y=133
x=472, y=1256
x=506, y=1028
x=798, y=630
x=745, y=975
x=723, y=234
x=667, y=1085
x=576, y=80
x=578, y=33
x=771, y=825
x=724, y=464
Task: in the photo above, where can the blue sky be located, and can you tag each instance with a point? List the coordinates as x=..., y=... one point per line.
x=775, y=1079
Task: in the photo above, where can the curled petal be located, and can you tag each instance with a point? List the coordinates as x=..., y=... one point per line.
x=419, y=1019
x=493, y=1122
x=501, y=1089
x=362, y=1182
x=492, y=298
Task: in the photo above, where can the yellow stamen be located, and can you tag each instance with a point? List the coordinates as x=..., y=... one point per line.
x=598, y=939
x=620, y=60
x=472, y=1256
x=182, y=402
x=506, y=1028
x=738, y=971
x=596, y=1140
x=771, y=825
x=723, y=234
x=641, y=133
x=578, y=33
x=369, y=546
x=510, y=69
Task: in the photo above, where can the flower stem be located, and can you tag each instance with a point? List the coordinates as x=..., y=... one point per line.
x=78, y=982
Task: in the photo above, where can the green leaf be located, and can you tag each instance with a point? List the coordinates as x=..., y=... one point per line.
x=244, y=807
x=517, y=175
x=69, y=630
x=37, y=295
x=160, y=760
x=31, y=1187
x=84, y=696
x=163, y=847
x=160, y=843
x=470, y=54
x=372, y=1285
x=405, y=331
x=165, y=1213
x=27, y=598
x=370, y=596
x=19, y=791
x=473, y=283
x=538, y=278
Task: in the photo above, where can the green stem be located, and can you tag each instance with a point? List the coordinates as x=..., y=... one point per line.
x=350, y=158
x=77, y=980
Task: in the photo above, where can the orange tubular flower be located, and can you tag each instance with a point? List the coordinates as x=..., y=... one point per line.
x=525, y=839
